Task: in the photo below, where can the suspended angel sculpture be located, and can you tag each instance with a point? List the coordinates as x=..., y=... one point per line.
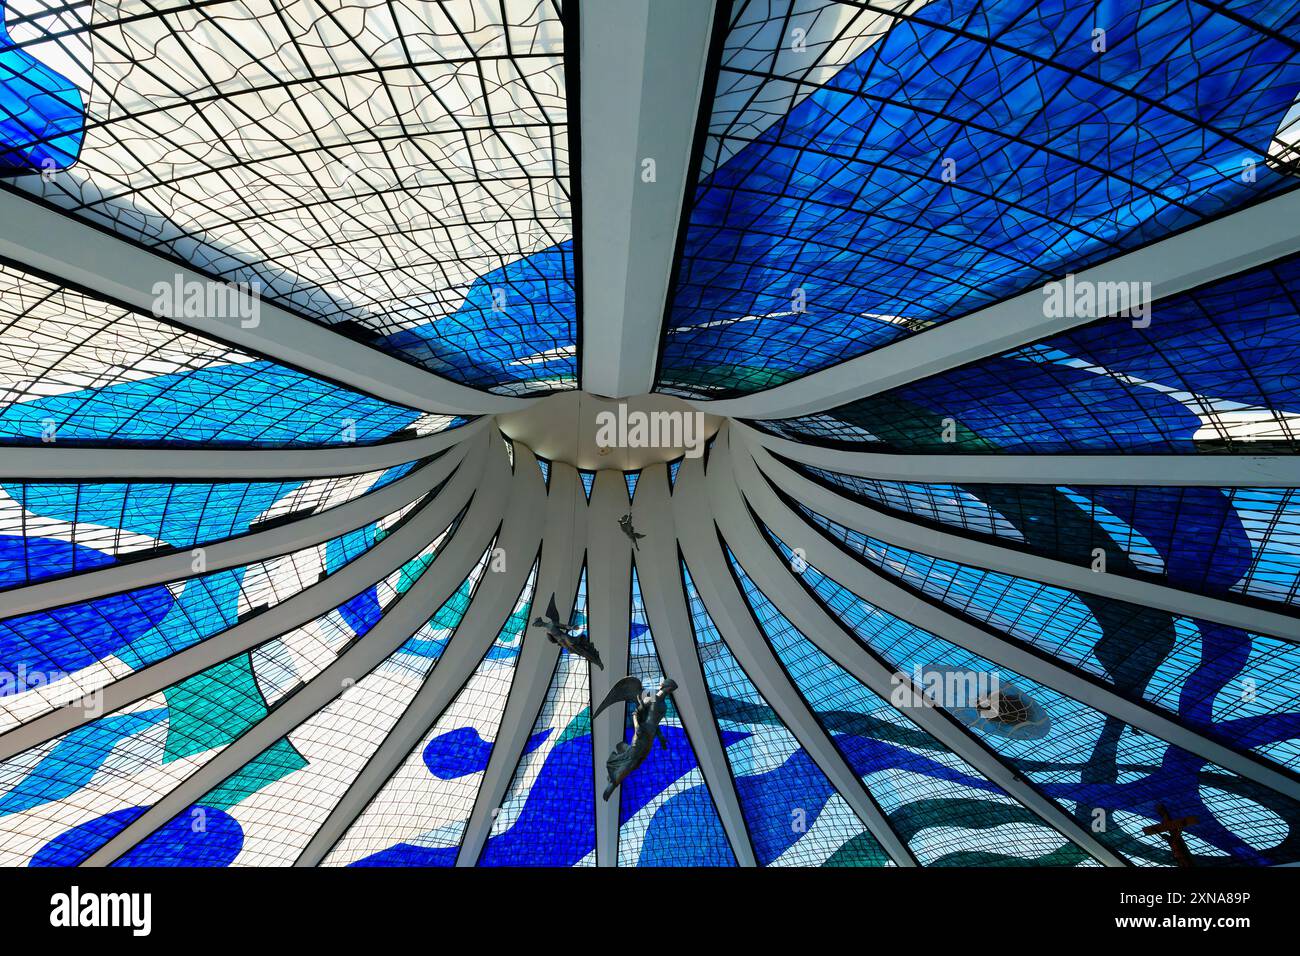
x=650, y=709
x=625, y=524
x=568, y=636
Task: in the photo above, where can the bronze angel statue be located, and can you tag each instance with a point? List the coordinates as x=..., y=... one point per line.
x=625, y=525
x=650, y=710
x=568, y=636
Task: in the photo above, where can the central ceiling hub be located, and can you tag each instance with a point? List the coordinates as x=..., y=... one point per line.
x=593, y=433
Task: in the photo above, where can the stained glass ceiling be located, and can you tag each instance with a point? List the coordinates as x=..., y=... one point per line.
x=1213, y=374
x=399, y=171
x=280, y=571
x=871, y=170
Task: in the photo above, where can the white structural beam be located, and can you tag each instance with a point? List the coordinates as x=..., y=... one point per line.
x=774, y=580
x=879, y=591
x=493, y=600
x=996, y=557
x=609, y=616
x=817, y=626
x=666, y=608
x=230, y=552
x=58, y=245
x=398, y=623
x=563, y=541
x=1243, y=471
x=641, y=71
x=1213, y=250
x=75, y=463
x=354, y=577
x=731, y=615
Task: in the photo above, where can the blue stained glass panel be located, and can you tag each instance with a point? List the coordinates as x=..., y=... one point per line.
x=107, y=521
x=792, y=813
x=78, y=369
x=1211, y=540
x=666, y=814
x=547, y=816
x=969, y=150
x=419, y=816
x=1195, y=670
x=1076, y=754
x=72, y=805
x=945, y=810
x=140, y=627
x=1211, y=373
x=42, y=113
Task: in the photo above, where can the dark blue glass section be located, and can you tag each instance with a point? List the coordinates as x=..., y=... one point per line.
x=1213, y=372
x=42, y=114
x=461, y=752
x=65, y=639
x=684, y=829
x=975, y=150
x=71, y=847
x=556, y=826
x=1079, y=756
x=408, y=854
x=515, y=332
x=201, y=836
x=1228, y=683
x=1217, y=541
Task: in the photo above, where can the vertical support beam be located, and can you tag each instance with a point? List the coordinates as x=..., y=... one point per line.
x=760, y=562
x=354, y=577
x=561, y=566
x=665, y=603
x=889, y=597
x=489, y=606
x=732, y=617
x=399, y=622
x=642, y=65
x=609, y=619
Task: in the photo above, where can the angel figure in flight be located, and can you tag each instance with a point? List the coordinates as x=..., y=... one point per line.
x=569, y=636
x=651, y=706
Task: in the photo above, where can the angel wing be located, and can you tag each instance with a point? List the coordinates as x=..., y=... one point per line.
x=551, y=611
x=628, y=689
